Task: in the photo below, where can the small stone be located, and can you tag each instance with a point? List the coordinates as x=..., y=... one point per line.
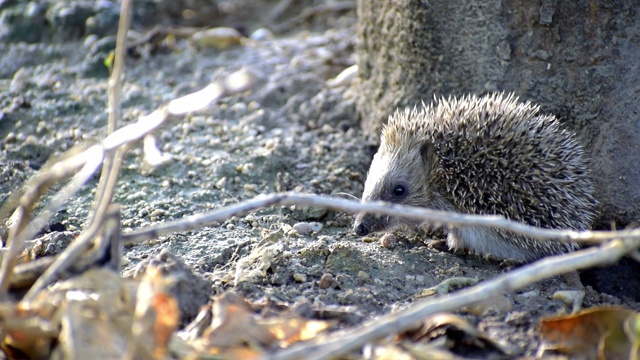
x=530, y=294
x=363, y=276
x=301, y=278
x=304, y=228
x=518, y=318
x=499, y=304
x=222, y=183
x=124, y=261
x=31, y=140
x=11, y=137
x=250, y=188
x=90, y=40
x=303, y=308
x=388, y=241
x=219, y=38
x=20, y=80
x=262, y=34
x=573, y=298
x=325, y=281
x=245, y=169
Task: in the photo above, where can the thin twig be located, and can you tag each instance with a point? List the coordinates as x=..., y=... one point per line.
x=393, y=323
x=410, y=212
x=111, y=166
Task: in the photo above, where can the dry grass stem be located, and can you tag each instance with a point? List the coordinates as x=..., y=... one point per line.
x=113, y=161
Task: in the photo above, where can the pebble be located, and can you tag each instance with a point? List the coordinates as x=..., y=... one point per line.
x=326, y=280
x=222, y=183
x=90, y=40
x=573, y=298
x=218, y=38
x=301, y=278
x=388, y=241
x=250, y=187
x=245, y=169
x=304, y=228
x=363, y=276
x=20, y=80
x=500, y=304
x=368, y=239
x=517, y=318
x=530, y=294
x=262, y=34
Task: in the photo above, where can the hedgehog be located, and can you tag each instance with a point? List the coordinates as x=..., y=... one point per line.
x=491, y=155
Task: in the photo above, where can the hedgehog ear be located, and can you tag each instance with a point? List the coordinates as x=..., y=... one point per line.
x=428, y=154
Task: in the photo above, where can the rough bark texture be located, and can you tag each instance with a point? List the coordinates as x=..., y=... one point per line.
x=578, y=60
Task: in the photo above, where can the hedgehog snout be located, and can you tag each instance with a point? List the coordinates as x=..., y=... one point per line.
x=361, y=229
x=359, y=225
x=362, y=224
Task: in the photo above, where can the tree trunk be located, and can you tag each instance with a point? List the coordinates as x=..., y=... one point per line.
x=579, y=60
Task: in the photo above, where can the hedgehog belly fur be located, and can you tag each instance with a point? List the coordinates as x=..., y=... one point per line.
x=503, y=245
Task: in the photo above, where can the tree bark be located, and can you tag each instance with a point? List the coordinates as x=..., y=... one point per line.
x=579, y=60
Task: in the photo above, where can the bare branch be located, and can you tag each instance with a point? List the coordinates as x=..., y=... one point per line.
x=411, y=212
x=113, y=162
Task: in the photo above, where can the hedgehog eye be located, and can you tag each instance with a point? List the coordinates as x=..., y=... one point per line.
x=400, y=191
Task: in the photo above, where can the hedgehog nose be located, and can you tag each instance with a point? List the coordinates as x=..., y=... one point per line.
x=361, y=229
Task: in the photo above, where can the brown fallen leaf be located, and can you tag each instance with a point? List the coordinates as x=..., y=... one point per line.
x=597, y=333
x=230, y=329
x=292, y=330
x=26, y=334
x=156, y=314
x=86, y=332
x=632, y=330
x=234, y=326
x=90, y=313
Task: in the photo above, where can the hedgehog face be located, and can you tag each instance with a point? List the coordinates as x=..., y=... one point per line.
x=395, y=177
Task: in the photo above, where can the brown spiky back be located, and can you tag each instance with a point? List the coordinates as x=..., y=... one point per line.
x=496, y=155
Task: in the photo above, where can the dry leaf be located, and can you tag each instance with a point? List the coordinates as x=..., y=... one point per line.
x=156, y=315
x=234, y=326
x=88, y=334
x=88, y=313
x=597, y=333
x=26, y=335
x=292, y=330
